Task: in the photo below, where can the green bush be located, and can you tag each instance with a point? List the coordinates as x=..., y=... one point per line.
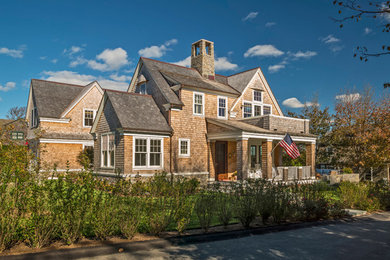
x=359, y=196
x=347, y=170
x=245, y=204
x=205, y=209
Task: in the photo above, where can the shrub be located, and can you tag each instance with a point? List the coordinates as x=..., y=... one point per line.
x=224, y=208
x=204, y=209
x=129, y=215
x=104, y=220
x=358, y=196
x=347, y=170
x=245, y=206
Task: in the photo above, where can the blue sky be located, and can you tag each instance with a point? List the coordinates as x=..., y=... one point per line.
x=301, y=51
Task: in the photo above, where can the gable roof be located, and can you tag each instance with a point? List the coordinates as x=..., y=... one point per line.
x=135, y=112
x=52, y=98
x=240, y=80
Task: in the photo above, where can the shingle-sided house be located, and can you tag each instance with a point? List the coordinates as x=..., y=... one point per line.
x=60, y=117
x=191, y=121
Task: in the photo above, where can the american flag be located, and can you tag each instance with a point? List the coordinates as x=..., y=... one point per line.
x=291, y=148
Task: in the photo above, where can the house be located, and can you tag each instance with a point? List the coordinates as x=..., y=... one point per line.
x=193, y=122
x=60, y=117
x=16, y=130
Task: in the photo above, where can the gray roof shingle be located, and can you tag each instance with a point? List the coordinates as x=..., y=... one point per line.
x=138, y=112
x=240, y=80
x=52, y=98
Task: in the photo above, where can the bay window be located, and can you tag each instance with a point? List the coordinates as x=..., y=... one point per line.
x=108, y=150
x=147, y=153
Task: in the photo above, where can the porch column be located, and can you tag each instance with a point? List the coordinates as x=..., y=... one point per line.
x=211, y=159
x=266, y=159
x=311, y=158
x=242, y=159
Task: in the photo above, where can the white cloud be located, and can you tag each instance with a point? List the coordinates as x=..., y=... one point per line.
x=336, y=48
x=222, y=63
x=113, y=59
x=54, y=61
x=83, y=79
x=116, y=77
x=270, y=24
x=348, y=97
x=295, y=103
x=329, y=39
x=42, y=58
x=8, y=86
x=73, y=50
x=276, y=68
x=156, y=51
x=304, y=55
x=367, y=30
x=12, y=52
x=263, y=50
x=185, y=63
x=250, y=16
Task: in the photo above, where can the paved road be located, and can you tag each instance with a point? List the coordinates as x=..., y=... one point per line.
x=366, y=238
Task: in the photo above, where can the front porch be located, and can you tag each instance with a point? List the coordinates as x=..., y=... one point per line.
x=238, y=151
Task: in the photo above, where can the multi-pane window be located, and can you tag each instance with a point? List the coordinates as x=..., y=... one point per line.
x=257, y=110
x=108, y=150
x=88, y=117
x=253, y=156
x=247, y=109
x=257, y=96
x=155, y=152
x=142, y=89
x=184, y=147
x=148, y=152
x=198, y=103
x=222, y=107
x=266, y=110
x=17, y=135
x=140, y=152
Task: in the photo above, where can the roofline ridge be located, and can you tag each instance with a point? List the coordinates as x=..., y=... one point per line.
x=164, y=62
x=62, y=83
x=243, y=71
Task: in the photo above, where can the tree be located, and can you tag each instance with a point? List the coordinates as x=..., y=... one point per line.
x=320, y=125
x=16, y=113
x=360, y=133
x=356, y=11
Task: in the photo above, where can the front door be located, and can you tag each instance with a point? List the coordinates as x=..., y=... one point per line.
x=220, y=158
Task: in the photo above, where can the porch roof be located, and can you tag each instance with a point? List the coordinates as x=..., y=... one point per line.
x=235, y=128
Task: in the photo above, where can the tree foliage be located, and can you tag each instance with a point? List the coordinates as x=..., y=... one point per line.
x=360, y=133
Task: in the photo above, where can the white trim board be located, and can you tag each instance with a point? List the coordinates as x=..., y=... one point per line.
x=55, y=120
x=260, y=136
x=66, y=141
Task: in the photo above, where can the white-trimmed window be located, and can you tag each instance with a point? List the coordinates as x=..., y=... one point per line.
x=257, y=110
x=148, y=153
x=88, y=117
x=222, y=105
x=198, y=103
x=267, y=109
x=142, y=89
x=247, y=109
x=184, y=147
x=108, y=150
x=17, y=135
x=34, y=117
x=257, y=96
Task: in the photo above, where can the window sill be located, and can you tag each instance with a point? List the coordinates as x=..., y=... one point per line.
x=138, y=168
x=184, y=156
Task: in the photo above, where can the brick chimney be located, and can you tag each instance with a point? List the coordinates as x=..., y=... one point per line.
x=202, y=58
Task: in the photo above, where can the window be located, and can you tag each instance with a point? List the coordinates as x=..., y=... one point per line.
x=257, y=96
x=184, y=147
x=108, y=150
x=17, y=135
x=89, y=115
x=257, y=110
x=140, y=152
x=266, y=110
x=247, y=109
x=148, y=152
x=253, y=156
x=155, y=153
x=142, y=89
x=34, y=118
x=222, y=107
x=198, y=103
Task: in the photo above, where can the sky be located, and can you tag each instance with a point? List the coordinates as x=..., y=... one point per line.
x=300, y=49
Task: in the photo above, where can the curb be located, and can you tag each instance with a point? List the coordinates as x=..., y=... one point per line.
x=161, y=243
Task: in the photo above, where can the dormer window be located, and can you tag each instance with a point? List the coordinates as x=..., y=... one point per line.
x=141, y=89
